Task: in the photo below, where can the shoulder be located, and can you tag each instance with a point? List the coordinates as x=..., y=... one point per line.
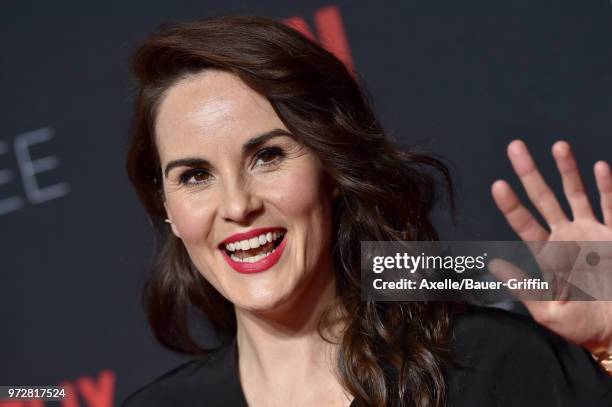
x=510, y=357
x=497, y=330
x=163, y=390
x=195, y=382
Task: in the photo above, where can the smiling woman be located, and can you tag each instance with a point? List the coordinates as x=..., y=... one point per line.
x=234, y=174
x=263, y=167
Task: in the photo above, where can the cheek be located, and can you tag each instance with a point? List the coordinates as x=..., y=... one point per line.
x=192, y=217
x=304, y=200
x=299, y=192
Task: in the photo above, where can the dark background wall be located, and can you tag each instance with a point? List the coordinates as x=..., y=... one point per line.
x=462, y=78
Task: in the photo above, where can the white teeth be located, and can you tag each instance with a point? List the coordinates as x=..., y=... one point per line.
x=251, y=259
x=254, y=242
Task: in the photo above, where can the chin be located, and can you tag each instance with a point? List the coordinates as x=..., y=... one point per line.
x=260, y=301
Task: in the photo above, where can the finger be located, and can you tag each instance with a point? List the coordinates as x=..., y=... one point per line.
x=538, y=191
x=603, y=178
x=572, y=182
x=541, y=309
x=519, y=218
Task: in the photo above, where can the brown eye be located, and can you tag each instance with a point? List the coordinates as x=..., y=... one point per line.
x=269, y=156
x=200, y=176
x=195, y=176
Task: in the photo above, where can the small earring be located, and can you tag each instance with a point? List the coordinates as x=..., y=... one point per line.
x=167, y=220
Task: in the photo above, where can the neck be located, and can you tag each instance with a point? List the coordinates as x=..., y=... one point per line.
x=281, y=354
x=265, y=338
x=283, y=349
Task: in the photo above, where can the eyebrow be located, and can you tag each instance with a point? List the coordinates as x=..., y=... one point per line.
x=252, y=144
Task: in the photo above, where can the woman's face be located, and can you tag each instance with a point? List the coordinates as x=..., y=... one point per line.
x=251, y=204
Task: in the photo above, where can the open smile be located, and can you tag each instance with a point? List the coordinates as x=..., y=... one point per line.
x=254, y=251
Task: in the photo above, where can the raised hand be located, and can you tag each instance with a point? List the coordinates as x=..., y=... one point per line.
x=587, y=323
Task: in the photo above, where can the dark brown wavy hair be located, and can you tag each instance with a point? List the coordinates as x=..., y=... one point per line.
x=391, y=353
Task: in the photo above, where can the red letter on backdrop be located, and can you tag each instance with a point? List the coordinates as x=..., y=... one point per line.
x=71, y=399
x=101, y=394
x=330, y=29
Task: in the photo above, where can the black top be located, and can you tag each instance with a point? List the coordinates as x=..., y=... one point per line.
x=507, y=360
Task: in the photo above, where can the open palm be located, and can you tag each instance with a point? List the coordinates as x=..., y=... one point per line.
x=587, y=323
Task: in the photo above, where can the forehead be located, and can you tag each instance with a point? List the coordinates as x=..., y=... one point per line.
x=211, y=109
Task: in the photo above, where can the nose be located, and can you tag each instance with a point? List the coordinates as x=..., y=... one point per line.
x=239, y=202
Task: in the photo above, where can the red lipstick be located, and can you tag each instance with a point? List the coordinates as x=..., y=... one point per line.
x=247, y=235
x=261, y=265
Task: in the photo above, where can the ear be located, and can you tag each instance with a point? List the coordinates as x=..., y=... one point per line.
x=333, y=185
x=336, y=192
x=172, y=224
